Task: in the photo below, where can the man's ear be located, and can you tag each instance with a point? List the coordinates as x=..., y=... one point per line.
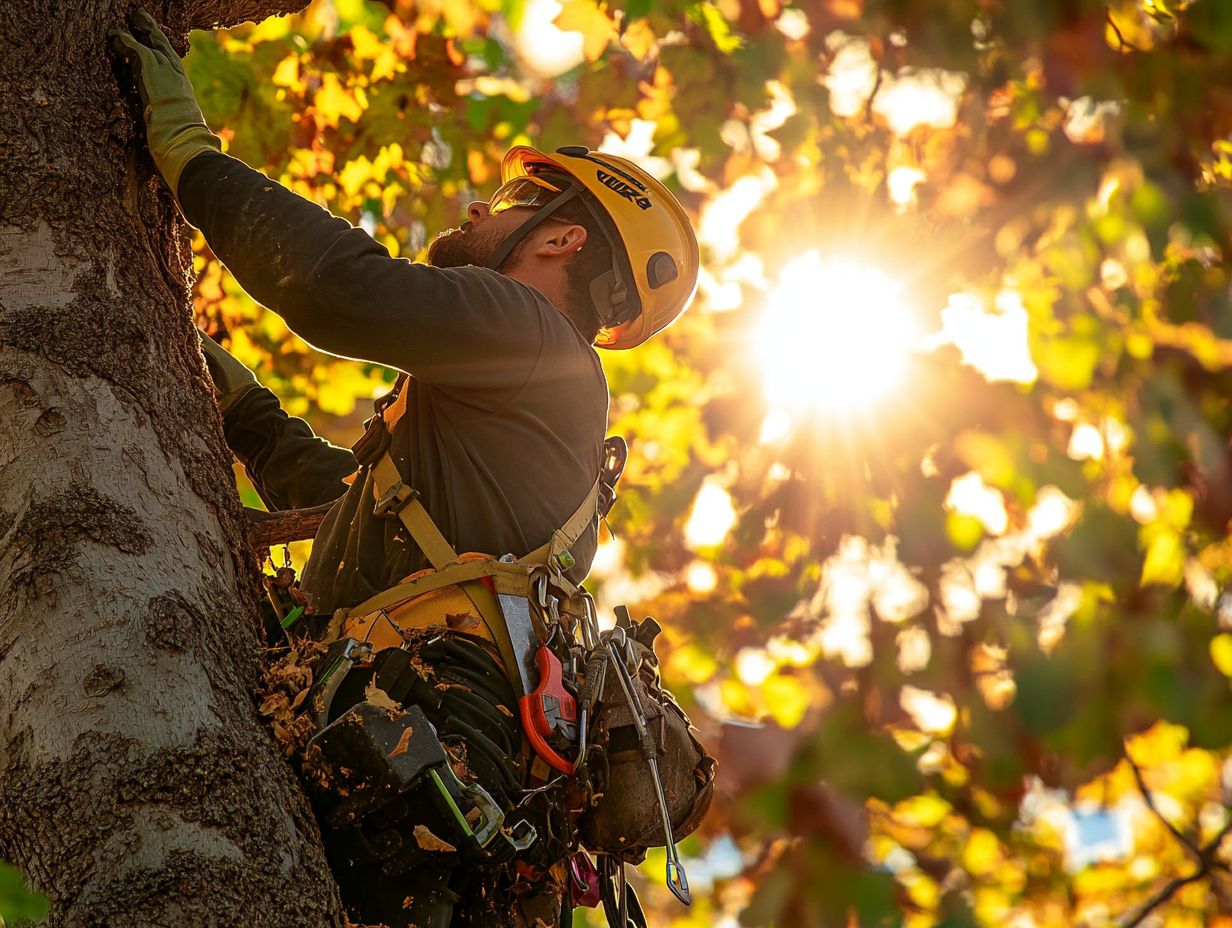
x=562, y=240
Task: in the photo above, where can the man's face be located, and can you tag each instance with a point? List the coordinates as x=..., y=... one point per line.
x=478, y=238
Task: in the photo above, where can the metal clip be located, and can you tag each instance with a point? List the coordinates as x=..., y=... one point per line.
x=590, y=622
x=394, y=499
x=350, y=652
x=490, y=817
x=676, y=879
x=521, y=836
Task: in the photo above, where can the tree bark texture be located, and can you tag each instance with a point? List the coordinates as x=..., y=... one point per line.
x=137, y=785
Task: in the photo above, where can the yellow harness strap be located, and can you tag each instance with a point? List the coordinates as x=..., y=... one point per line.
x=567, y=535
x=404, y=500
x=509, y=577
x=395, y=497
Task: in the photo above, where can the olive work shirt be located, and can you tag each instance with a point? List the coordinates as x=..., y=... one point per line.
x=507, y=409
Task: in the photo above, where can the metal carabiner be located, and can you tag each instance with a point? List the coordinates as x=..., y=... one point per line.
x=590, y=622
x=540, y=586
x=675, y=877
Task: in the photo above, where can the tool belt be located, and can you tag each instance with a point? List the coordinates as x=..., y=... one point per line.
x=602, y=740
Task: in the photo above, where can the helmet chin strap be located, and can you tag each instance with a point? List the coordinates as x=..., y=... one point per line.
x=501, y=255
x=609, y=292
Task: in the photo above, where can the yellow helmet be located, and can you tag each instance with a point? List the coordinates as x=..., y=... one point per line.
x=654, y=251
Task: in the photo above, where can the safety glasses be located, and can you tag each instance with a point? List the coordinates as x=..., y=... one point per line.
x=522, y=191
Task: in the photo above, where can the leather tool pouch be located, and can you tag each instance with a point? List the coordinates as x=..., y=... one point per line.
x=626, y=817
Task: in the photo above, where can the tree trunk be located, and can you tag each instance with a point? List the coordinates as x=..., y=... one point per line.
x=137, y=785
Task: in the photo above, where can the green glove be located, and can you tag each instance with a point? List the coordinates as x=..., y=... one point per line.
x=231, y=378
x=174, y=126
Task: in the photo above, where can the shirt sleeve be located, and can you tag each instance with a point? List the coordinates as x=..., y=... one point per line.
x=291, y=467
x=470, y=331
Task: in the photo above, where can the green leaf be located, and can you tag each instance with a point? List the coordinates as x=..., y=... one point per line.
x=1047, y=690
x=719, y=29
x=17, y=902
x=1209, y=22
x=1101, y=546
x=859, y=762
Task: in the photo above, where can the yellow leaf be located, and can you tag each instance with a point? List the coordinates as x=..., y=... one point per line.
x=1221, y=653
x=287, y=74
x=276, y=27
x=1159, y=744
x=307, y=163
x=390, y=156
x=982, y=853
x=335, y=102
x=739, y=701
x=1165, y=557
x=404, y=742
x=964, y=531
x=926, y=810
x=787, y=699
x=639, y=39
x=589, y=18
x=353, y=176
x=1068, y=363
x=430, y=842
x=381, y=699
x=988, y=455
x=491, y=86
x=462, y=18
x=923, y=891
x=691, y=663
x=477, y=167
x=340, y=386
x=365, y=44
x=1177, y=509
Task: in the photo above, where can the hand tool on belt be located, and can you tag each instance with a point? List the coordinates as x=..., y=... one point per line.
x=618, y=647
x=547, y=709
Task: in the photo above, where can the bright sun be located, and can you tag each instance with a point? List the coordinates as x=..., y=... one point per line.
x=835, y=336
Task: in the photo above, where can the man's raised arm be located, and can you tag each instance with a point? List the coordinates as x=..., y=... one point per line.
x=290, y=466
x=333, y=284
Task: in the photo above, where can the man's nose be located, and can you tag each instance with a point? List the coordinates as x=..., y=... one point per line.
x=477, y=210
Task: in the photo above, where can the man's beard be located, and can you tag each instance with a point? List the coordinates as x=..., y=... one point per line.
x=460, y=247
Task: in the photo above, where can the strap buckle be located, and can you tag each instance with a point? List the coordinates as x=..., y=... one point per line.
x=394, y=500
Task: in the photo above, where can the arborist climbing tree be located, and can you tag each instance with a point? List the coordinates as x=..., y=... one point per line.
x=473, y=730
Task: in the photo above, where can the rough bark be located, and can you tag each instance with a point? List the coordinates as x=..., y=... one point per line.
x=137, y=785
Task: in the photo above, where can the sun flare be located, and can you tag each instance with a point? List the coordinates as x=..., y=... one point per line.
x=835, y=336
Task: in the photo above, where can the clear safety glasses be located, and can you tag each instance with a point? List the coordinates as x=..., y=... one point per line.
x=522, y=191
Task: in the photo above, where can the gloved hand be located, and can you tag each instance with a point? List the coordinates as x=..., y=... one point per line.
x=231, y=378
x=175, y=129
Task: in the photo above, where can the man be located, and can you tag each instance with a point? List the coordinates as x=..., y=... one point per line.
x=506, y=402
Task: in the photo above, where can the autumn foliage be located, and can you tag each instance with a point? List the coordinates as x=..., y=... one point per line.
x=959, y=628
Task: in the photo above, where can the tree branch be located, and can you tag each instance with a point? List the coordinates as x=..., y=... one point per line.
x=219, y=14
x=275, y=528
x=1206, y=861
x=1121, y=43
x=1150, y=803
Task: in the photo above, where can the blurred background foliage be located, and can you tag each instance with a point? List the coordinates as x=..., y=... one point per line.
x=931, y=488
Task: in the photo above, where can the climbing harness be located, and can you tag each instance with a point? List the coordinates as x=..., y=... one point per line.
x=596, y=728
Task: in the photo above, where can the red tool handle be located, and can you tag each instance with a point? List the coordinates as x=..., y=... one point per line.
x=547, y=709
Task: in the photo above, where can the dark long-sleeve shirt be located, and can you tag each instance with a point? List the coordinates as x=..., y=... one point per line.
x=507, y=406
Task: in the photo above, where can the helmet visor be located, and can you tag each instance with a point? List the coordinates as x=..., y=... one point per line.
x=523, y=191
